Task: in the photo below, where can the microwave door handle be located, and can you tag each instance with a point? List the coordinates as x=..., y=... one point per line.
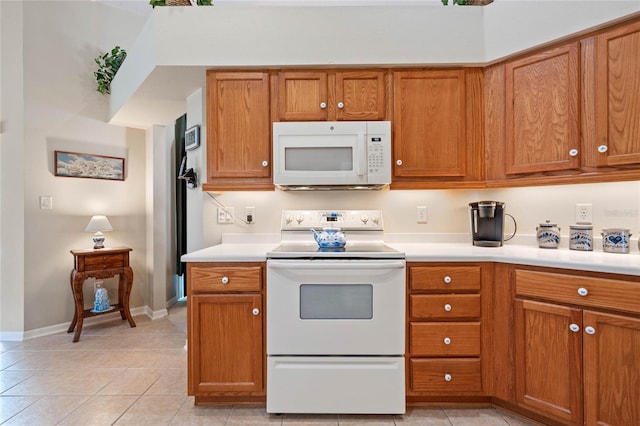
x=361, y=155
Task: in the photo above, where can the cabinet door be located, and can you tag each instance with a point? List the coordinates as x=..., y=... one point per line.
x=549, y=360
x=617, y=92
x=360, y=95
x=429, y=123
x=303, y=96
x=542, y=125
x=225, y=344
x=611, y=369
x=238, y=128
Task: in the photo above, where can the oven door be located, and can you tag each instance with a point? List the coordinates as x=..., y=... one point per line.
x=335, y=307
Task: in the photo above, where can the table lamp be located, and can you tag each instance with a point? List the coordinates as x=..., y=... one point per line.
x=98, y=224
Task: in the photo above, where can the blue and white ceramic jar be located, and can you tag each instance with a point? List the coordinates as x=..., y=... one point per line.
x=581, y=237
x=548, y=235
x=616, y=240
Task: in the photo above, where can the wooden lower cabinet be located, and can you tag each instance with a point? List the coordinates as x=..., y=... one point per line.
x=445, y=375
x=225, y=335
x=444, y=331
x=549, y=360
x=574, y=364
x=612, y=369
x=523, y=337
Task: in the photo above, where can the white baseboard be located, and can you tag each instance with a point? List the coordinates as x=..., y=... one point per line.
x=12, y=336
x=18, y=336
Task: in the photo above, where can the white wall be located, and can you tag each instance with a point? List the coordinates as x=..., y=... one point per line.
x=614, y=205
x=12, y=174
x=60, y=110
x=160, y=218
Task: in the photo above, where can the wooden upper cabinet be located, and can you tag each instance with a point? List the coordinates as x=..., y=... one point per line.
x=331, y=95
x=238, y=130
x=435, y=113
x=617, y=96
x=360, y=95
x=303, y=96
x=542, y=125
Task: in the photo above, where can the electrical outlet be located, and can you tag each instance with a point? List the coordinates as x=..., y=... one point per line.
x=584, y=213
x=421, y=214
x=250, y=214
x=225, y=215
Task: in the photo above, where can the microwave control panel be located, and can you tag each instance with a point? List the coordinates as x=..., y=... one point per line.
x=379, y=151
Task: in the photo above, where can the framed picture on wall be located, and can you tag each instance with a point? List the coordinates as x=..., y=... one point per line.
x=75, y=164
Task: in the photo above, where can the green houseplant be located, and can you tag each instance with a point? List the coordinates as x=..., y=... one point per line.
x=108, y=65
x=155, y=3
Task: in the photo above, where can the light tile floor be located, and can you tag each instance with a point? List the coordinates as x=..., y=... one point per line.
x=137, y=376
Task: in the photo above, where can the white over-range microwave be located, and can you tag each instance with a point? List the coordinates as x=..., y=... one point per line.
x=330, y=154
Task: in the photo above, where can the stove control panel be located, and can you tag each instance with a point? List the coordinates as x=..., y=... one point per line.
x=293, y=220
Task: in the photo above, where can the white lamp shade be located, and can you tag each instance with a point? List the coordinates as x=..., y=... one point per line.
x=99, y=223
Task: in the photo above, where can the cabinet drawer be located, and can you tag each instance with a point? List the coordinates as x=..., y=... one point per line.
x=225, y=279
x=443, y=306
x=445, y=375
x=447, y=278
x=444, y=338
x=585, y=291
x=105, y=261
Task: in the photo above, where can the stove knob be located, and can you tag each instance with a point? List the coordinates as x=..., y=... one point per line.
x=375, y=219
x=288, y=219
x=364, y=219
x=299, y=219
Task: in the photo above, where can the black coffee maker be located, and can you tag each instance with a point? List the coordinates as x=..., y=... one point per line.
x=487, y=223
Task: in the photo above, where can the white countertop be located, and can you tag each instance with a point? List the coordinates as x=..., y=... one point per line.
x=237, y=250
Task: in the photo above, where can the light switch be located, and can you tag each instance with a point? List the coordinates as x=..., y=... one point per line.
x=46, y=202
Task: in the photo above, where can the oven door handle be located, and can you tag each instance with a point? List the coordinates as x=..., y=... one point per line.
x=324, y=264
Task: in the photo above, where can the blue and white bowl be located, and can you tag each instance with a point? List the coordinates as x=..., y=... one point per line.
x=330, y=237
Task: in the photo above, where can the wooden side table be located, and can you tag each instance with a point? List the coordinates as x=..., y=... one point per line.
x=100, y=263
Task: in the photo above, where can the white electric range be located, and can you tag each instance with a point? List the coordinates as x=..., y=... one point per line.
x=335, y=318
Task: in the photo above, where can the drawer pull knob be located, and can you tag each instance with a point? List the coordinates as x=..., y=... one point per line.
x=447, y=341
x=265, y=163
x=573, y=152
x=574, y=327
x=590, y=330
x=323, y=105
x=583, y=291
x=602, y=149
x=447, y=377
x=224, y=280
x=340, y=105
x=399, y=162
x=447, y=279
x=447, y=307
x=255, y=311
